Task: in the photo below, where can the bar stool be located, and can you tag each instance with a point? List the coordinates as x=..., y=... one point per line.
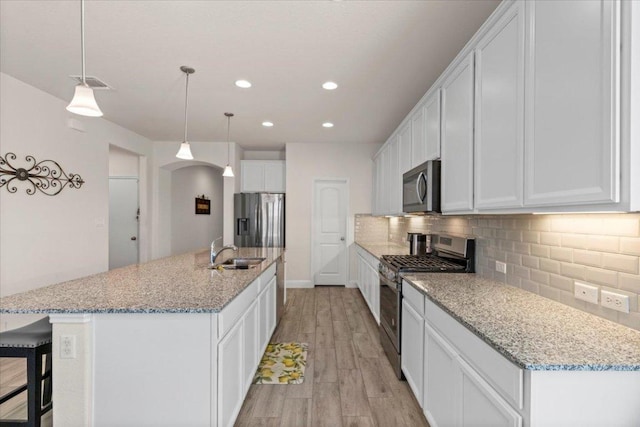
x=30, y=342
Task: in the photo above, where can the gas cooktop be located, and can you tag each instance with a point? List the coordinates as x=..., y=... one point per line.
x=425, y=263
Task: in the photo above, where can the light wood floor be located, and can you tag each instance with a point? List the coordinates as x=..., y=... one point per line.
x=13, y=373
x=348, y=379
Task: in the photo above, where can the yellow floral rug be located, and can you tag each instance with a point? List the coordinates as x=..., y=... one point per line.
x=282, y=363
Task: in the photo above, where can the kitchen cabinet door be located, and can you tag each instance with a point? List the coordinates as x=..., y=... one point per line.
x=418, y=143
x=394, y=195
x=251, y=348
x=412, y=339
x=480, y=404
x=406, y=137
x=457, y=139
x=252, y=176
x=499, y=113
x=274, y=177
x=440, y=380
x=571, y=142
x=263, y=301
x=271, y=307
x=432, y=122
x=263, y=176
x=230, y=375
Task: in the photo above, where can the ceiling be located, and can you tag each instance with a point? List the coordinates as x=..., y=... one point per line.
x=384, y=55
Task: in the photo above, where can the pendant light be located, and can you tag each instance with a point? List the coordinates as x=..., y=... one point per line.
x=228, y=171
x=83, y=102
x=185, y=149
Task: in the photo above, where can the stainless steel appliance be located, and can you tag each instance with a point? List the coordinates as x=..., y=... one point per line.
x=417, y=243
x=421, y=188
x=259, y=220
x=452, y=254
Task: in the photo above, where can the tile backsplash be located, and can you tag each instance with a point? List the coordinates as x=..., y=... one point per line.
x=544, y=254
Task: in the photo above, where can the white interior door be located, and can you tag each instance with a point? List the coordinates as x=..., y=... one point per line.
x=123, y=222
x=329, y=230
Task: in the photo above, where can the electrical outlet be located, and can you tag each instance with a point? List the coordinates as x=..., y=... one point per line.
x=585, y=292
x=67, y=347
x=501, y=267
x=615, y=301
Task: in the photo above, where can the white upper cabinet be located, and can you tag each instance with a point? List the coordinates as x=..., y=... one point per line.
x=499, y=110
x=432, y=127
x=394, y=178
x=418, y=154
x=263, y=175
x=457, y=139
x=571, y=148
x=405, y=137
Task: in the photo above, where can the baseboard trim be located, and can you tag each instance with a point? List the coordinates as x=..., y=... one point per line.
x=299, y=284
x=352, y=284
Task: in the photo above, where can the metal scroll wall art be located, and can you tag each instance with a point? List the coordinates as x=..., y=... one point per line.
x=45, y=176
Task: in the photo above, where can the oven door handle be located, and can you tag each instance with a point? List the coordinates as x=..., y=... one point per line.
x=388, y=283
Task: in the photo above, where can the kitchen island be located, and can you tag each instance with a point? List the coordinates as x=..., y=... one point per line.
x=165, y=343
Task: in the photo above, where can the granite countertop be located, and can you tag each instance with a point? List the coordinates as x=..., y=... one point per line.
x=176, y=284
x=377, y=249
x=533, y=332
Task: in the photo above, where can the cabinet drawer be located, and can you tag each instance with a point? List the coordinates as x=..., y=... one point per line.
x=230, y=315
x=413, y=297
x=499, y=372
x=266, y=277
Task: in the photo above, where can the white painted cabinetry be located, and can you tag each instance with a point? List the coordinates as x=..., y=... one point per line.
x=231, y=381
x=405, y=151
x=411, y=339
x=432, y=121
x=467, y=383
x=499, y=112
x=394, y=184
x=368, y=281
x=263, y=176
x=457, y=138
x=572, y=103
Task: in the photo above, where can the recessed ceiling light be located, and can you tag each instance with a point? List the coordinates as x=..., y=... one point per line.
x=329, y=85
x=267, y=124
x=327, y=125
x=245, y=84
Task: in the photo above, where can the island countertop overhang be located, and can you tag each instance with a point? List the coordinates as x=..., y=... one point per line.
x=176, y=284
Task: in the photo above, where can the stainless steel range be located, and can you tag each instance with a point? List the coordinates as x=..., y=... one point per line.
x=452, y=254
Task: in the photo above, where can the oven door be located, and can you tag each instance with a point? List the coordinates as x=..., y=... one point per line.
x=390, y=295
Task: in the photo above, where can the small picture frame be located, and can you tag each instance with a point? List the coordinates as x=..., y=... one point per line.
x=203, y=206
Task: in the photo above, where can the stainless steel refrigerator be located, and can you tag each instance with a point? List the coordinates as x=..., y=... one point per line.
x=259, y=220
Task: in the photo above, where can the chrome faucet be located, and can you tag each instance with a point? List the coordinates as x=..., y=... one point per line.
x=215, y=254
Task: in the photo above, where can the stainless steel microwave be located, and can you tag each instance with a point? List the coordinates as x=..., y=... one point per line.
x=421, y=188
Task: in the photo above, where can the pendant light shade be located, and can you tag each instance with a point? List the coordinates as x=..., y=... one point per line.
x=228, y=171
x=184, y=152
x=83, y=102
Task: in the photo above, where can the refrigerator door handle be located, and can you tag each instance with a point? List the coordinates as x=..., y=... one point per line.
x=259, y=224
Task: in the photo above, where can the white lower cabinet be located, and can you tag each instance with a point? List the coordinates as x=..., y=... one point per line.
x=368, y=281
x=439, y=380
x=467, y=383
x=251, y=342
x=230, y=375
x=412, y=348
x=480, y=404
x=241, y=347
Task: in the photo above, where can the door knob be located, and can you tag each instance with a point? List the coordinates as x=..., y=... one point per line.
x=342, y=238
x=134, y=238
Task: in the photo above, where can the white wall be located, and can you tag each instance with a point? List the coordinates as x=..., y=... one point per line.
x=123, y=162
x=306, y=162
x=264, y=155
x=43, y=239
x=188, y=230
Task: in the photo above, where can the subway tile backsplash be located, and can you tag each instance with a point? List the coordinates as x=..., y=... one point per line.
x=546, y=253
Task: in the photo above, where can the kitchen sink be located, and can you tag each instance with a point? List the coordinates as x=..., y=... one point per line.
x=239, y=263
